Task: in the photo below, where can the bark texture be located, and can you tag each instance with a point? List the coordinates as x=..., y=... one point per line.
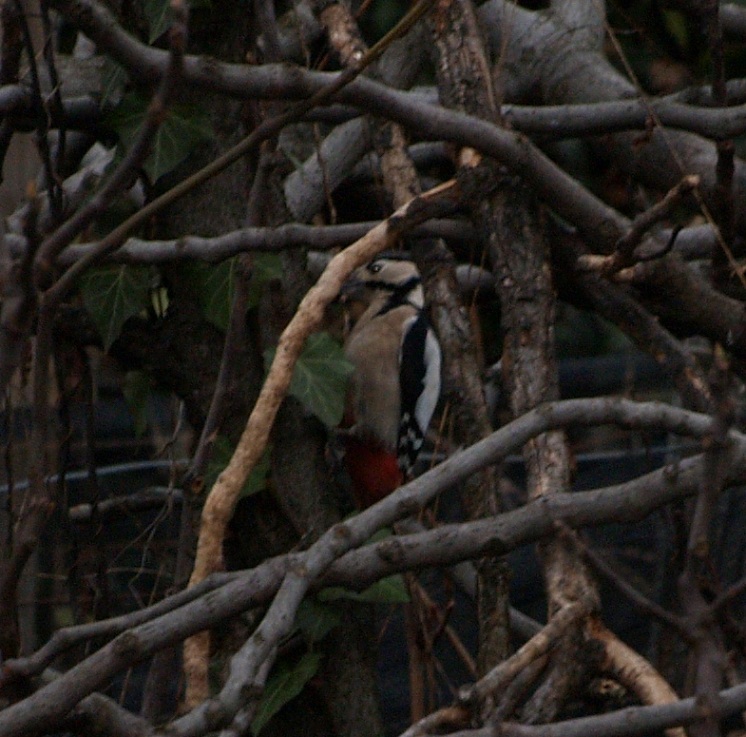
x=464, y=82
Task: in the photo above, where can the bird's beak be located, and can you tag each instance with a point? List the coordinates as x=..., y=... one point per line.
x=352, y=289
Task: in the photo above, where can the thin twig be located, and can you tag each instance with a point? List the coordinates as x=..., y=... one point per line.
x=235, y=335
x=726, y=596
x=695, y=583
x=725, y=166
x=263, y=131
x=12, y=43
x=36, y=504
x=43, y=501
x=40, y=115
x=56, y=112
x=481, y=695
x=624, y=252
x=647, y=605
x=124, y=174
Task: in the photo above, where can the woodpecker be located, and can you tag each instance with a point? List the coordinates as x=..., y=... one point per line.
x=396, y=383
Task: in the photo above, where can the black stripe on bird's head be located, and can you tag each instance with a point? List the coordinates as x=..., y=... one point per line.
x=392, y=277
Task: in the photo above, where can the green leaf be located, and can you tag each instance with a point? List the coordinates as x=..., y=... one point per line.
x=128, y=116
x=320, y=377
x=185, y=126
x=316, y=620
x=216, y=294
x=283, y=686
x=137, y=390
x=389, y=590
x=158, y=15
x=222, y=451
x=676, y=25
x=266, y=267
x=112, y=294
x=182, y=131
x=213, y=286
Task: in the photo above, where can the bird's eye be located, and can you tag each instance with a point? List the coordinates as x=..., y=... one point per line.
x=375, y=267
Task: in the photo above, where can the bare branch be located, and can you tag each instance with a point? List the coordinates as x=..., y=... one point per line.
x=634, y=672
x=624, y=252
x=53, y=701
x=628, y=722
x=648, y=606
x=126, y=172
x=259, y=239
x=19, y=301
x=487, y=689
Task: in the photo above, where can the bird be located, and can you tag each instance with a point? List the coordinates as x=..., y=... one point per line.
x=395, y=385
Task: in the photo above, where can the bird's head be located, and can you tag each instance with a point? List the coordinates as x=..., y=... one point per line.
x=385, y=280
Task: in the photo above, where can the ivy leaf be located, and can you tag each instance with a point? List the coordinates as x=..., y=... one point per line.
x=213, y=286
x=183, y=130
x=222, y=451
x=316, y=620
x=389, y=590
x=158, y=15
x=184, y=127
x=136, y=390
x=266, y=267
x=216, y=294
x=283, y=686
x=676, y=26
x=320, y=377
x=128, y=115
x=112, y=294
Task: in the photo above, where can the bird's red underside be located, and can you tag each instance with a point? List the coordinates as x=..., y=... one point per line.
x=374, y=472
